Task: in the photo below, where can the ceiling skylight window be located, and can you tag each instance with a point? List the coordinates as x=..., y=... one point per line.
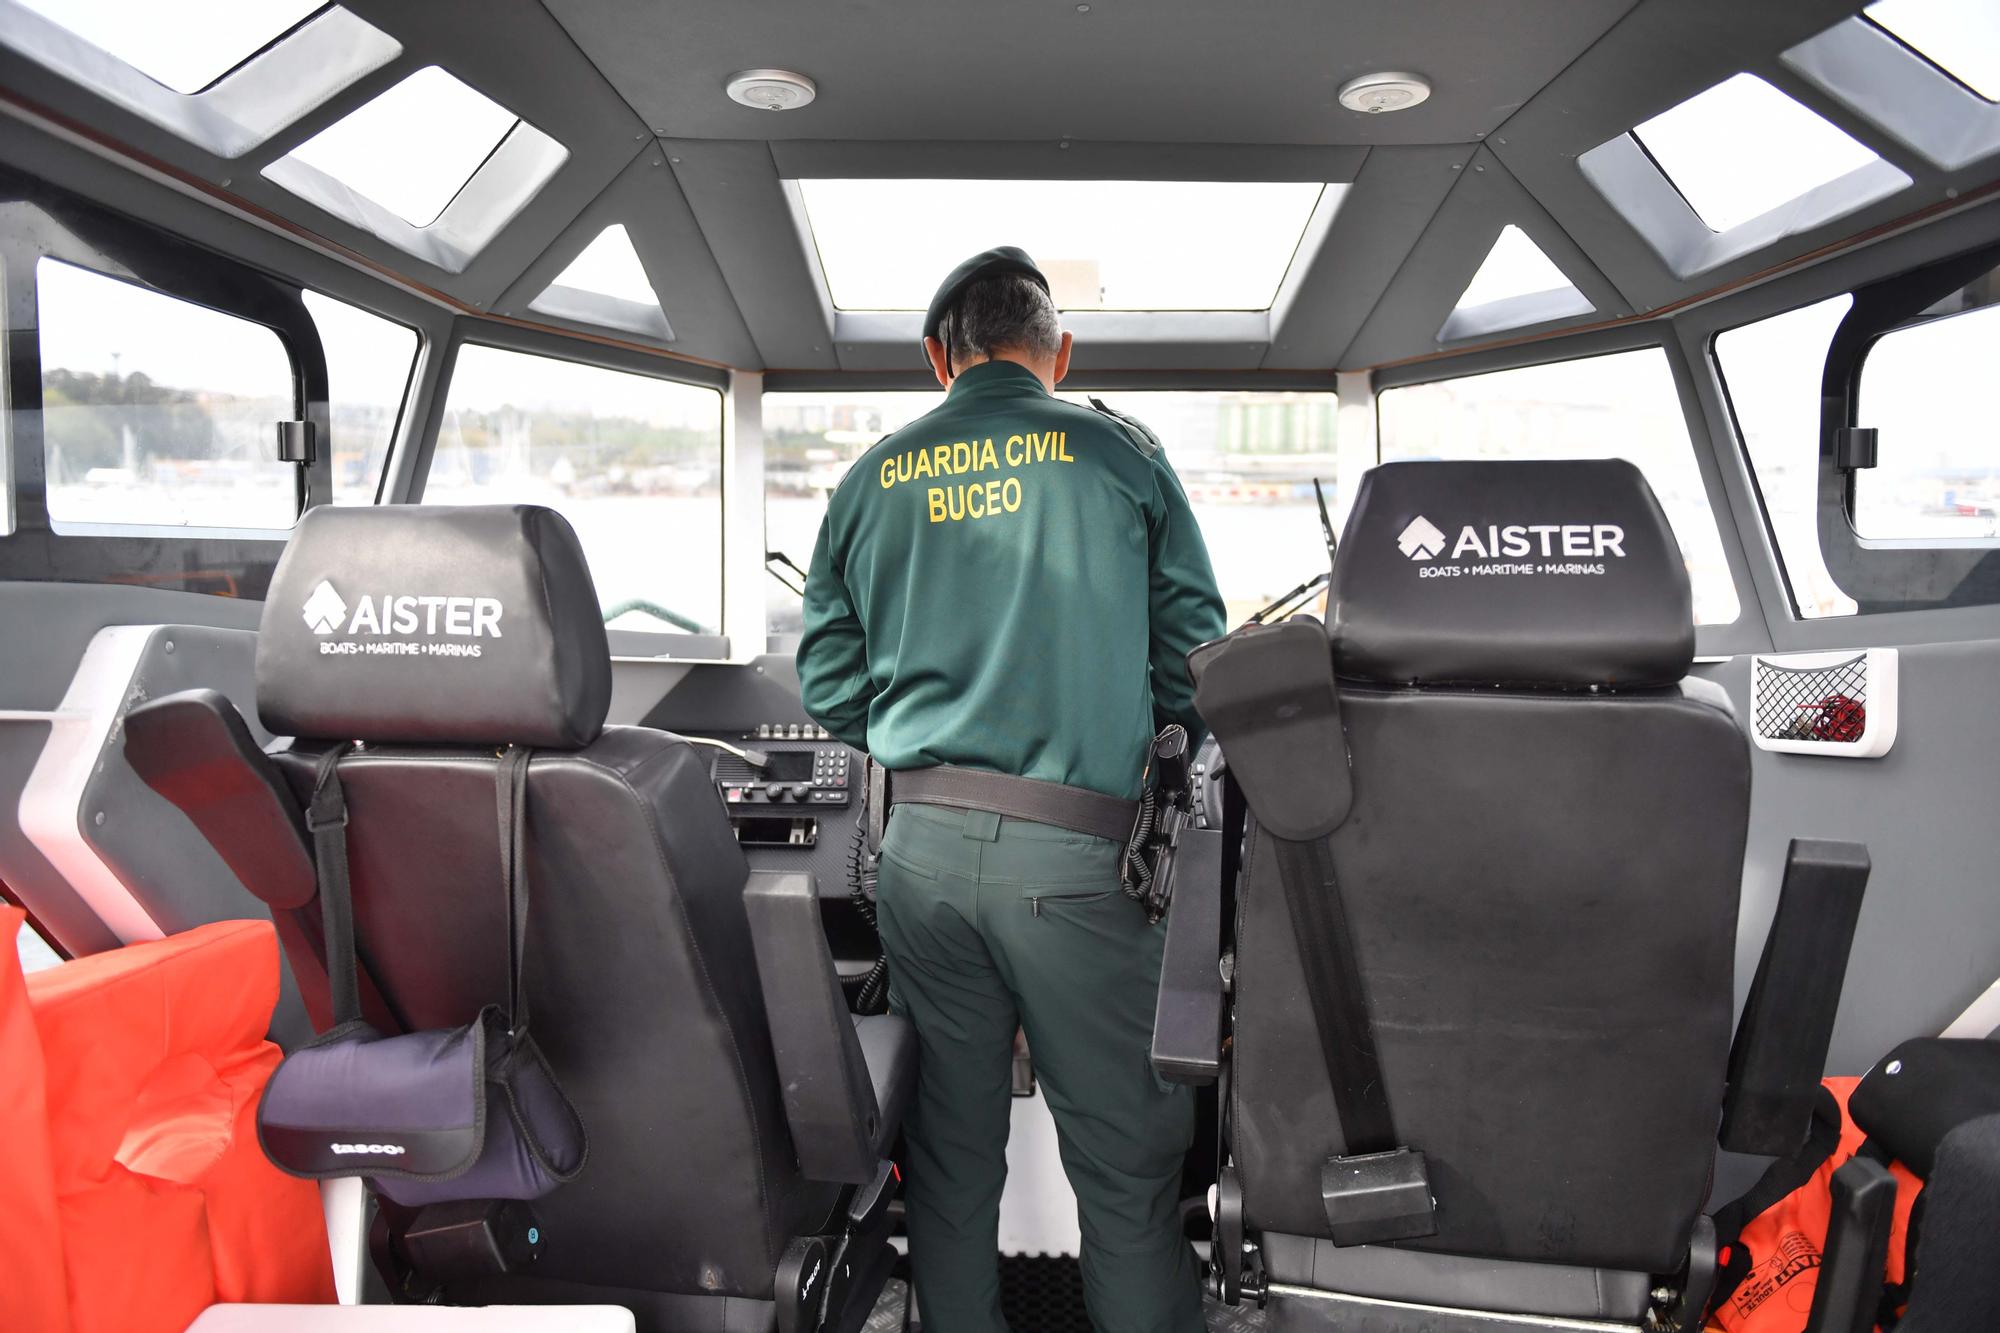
x=1960, y=37
x=430, y=166
x=414, y=147
x=1105, y=245
x=609, y=266
x=1516, y=284
x=184, y=44
x=1743, y=148
x=607, y=284
x=1515, y=266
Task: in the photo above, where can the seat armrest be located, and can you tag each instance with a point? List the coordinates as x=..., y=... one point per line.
x=829, y=1096
x=1187, y=1018
x=1779, y=1054
x=1849, y=1292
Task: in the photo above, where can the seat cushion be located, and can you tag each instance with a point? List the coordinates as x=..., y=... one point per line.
x=413, y=1319
x=1385, y=1273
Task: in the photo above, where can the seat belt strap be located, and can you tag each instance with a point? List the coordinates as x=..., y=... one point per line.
x=326, y=818
x=1078, y=809
x=1333, y=987
x=511, y=802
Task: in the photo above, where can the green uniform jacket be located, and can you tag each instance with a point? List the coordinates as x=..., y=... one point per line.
x=1008, y=583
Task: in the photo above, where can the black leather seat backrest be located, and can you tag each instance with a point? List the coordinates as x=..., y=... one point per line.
x=1541, y=867
x=437, y=636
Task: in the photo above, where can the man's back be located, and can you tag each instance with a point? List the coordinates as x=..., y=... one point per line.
x=1008, y=583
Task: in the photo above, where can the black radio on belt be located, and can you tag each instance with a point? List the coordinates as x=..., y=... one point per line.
x=799, y=769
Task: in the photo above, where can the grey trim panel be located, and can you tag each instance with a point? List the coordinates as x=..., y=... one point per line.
x=1414, y=314
x=747, y=221
x=700, y=315
x=1332, y=288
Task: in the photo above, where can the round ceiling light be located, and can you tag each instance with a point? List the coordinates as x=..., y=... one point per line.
x=771, y=89
x=1372, y=94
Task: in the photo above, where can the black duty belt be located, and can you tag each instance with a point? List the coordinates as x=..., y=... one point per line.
x=1078, y=809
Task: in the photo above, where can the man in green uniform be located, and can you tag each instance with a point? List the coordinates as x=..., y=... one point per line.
x=999, y=609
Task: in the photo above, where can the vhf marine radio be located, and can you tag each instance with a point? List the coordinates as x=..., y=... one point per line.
x=802, y=766
x=803, y=770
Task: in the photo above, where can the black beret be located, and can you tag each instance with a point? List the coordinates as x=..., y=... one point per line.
x=985, y=264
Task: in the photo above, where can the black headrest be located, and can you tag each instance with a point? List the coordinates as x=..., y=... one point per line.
x=474, y=625
x=1559, y=575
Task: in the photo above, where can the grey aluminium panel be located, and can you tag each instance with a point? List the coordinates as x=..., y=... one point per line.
x=1333, y=288
x=747, y=220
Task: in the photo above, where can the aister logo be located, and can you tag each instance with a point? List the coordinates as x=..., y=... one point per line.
x=1419, y=541
x=325, y=609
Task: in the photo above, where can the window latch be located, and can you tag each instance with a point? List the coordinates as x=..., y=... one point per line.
x=1854, y=448
x=296, y=442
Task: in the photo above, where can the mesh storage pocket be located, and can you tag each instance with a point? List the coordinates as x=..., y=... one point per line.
x=1826, y=704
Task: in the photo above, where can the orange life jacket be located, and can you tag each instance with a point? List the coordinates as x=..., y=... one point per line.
x=1770, y=1242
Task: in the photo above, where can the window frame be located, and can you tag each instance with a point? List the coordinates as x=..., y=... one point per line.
x=597, y=353
x=38, y=221
x=1893, y=573
x=1797, y=285
x=1745, y=634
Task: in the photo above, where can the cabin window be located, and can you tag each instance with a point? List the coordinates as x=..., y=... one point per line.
x=634, y=463
x=1247, y=460
x=1910, y=358
x=1197, y=245
x=368, y=364
x=1927, y=389
x=158, y=412
x=1621, y=405
x=1772, y=371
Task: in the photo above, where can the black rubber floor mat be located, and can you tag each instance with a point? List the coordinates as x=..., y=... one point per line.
x=1042, y=1294
x=1045, y=1295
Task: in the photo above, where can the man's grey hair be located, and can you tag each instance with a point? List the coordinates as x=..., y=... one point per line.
x=1006, y=312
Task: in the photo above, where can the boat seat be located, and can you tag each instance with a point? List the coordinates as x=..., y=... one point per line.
x=437, y=636
x=1540, y=869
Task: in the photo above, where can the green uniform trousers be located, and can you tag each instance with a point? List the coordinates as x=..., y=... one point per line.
x=994, y=923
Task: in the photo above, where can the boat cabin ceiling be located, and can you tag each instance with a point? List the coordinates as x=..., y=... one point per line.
x=1599, y=133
